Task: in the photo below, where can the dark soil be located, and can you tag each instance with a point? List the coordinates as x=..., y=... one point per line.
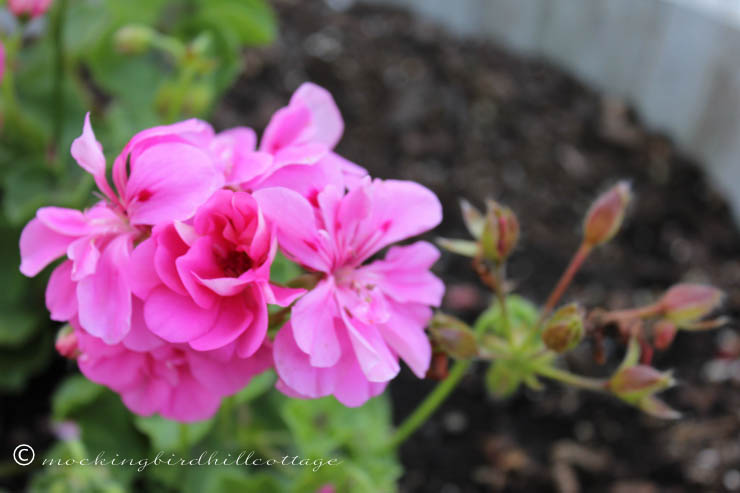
x=470, y=120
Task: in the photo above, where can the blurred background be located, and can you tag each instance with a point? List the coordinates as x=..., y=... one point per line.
x=540, y=104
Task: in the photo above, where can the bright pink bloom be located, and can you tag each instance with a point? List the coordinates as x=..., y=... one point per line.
x=159, y=176
x=33, y=8
x=296, y=147
x=346, y=334
x=174, y=380
x=207, y=284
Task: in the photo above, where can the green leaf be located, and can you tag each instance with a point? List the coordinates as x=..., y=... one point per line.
x=165, y=434
x=258, y=386
x=283, y=270
x=73, y=394
x=252, y=21
x=17, y=365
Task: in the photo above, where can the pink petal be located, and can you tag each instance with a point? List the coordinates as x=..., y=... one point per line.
x=235, y=374
x=60, y=293
x=404, y=333
x=169, y=247
x=88, y=153
x=84, y=255
x=295, y=369
x=190, y=401
x=401, y=209
x=141, y=274
x=377, y=362
x=232, y=321
x=40, y=246
x=199, y=263
x=285, y=127
x=176, y=318
x=104, y=297
x=312, y=319
x=69, y=222
x=404, y=274
x=140, y=338
x=282, y=296
x=147, y=396
x=297, y=231
x=169, y=182
x=326, y=120
x=254, y=336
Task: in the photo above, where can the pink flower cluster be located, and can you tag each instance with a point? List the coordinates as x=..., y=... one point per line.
x=166, y=280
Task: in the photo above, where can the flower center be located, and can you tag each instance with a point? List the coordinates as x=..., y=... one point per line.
x=235, y=263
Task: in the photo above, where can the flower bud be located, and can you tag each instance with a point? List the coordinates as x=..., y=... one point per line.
x=133, y=39
x=453, y=336
x=655, y=407
x=606, y=214
x=66, y=342
x=474, y=220
x=686, y=303
x=633, y=383
x=28, y=8
x=564, y=329
x=465, y=248
x=500, y=232
x=664, y=331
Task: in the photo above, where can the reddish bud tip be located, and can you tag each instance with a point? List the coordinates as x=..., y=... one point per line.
x=664, y=331
x=684, y=304
x=606, y=214
x=636, y=382
x=564, y=329
x=500, y=232
x=66, y=342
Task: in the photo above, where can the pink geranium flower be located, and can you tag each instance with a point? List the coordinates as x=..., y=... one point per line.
x=33, y=8
x=346, y=334
x=173, y=380
x=159, y=176
x=296, y=150
x=208, y=283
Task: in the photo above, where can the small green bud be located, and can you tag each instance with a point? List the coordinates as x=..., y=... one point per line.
x=500, y=232
x=453, y=336
x=134, y=39
x=606, y=214
x=564, y=329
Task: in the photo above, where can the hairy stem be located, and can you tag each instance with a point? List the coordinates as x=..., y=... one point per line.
x=575, y=263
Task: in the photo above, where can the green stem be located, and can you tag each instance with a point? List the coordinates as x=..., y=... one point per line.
x=429, y=404
x=184, y=440
x=501, y=296
x=569, y=378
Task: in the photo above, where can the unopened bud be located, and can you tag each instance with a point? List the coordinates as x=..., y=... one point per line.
x=657, y=408
x=66, y=342
x=564, y=329
x=606, y=214
x=664, y=331
x=636, y=382
x=453, y=336
x=684, y=304
x=474, y=220
x=500, y=232
x=133, y=39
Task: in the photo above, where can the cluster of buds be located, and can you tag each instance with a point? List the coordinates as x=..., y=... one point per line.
x=523, y=343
